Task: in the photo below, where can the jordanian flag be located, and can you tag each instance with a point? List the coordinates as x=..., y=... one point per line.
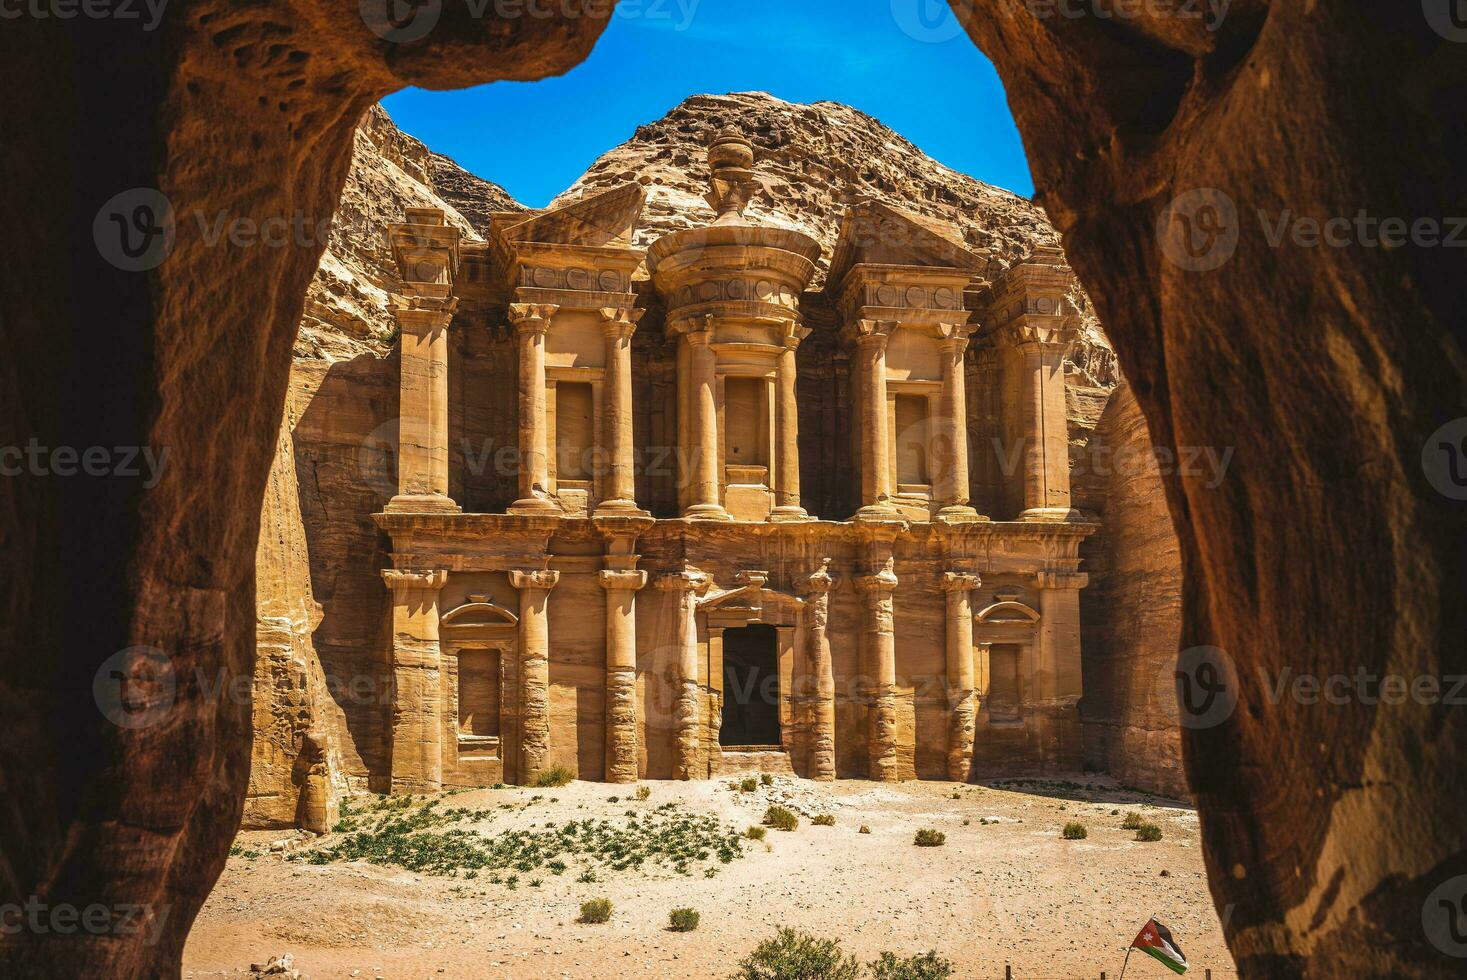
x=1157, y=940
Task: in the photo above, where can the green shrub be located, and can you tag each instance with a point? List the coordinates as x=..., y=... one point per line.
x=682, y=920
x=755, y=833
x=928, y=966
x=766, y=779
x=587, y=877
x=1132, y=821
x=1148, y=832
x=792, y=955
x=780, y=818
x=823, y=820
x=928, y=837
x=643, y=792
x=748, y=784
x=1074, y=831
x=596, y=910
x=554, y=776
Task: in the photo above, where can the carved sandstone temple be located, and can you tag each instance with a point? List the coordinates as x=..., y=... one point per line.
x=671, y=513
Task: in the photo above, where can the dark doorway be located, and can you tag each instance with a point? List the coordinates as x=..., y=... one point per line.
x=750, y=687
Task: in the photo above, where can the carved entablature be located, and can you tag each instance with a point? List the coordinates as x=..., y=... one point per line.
x=426, y=249
x=578, y=256
x=1030, y=303
x=892, y=265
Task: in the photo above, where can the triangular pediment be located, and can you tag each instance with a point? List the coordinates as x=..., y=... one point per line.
x=873, y=232
x=608, y=218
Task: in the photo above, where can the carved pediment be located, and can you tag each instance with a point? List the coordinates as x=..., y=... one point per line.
x=1009, y=611
x=478, y=612
x=875, y=233
x=603, y=219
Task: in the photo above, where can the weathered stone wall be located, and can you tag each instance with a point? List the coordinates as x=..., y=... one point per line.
x=1131, y=614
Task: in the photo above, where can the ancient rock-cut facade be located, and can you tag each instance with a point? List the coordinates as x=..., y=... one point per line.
x=650, y=589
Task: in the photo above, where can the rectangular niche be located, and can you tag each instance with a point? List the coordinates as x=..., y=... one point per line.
x=1003, y=683
x=575, y=431
x=478, y=692
x=910, y=440
x=745, y=422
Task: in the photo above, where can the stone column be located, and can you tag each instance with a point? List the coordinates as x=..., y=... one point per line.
x=1046, y=431
x=703, y=500
x=960, y=684
x=881, y=672
x=621, y=489
x=787, y=434
x=417, y=682
x=952, y=489
x=422, y=434
x=1057, y=684
x=816, y=589
x=531, y=321
x=621, y=673
x=684, y=587
x=876, y=489
x=534, y=642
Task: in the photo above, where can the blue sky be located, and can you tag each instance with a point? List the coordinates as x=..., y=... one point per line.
x=906, y=62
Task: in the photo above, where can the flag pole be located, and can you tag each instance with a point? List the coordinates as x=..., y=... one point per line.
x=1126, y=961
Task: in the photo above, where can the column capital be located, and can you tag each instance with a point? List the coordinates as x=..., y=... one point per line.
x=879, y=584
x=620, y=322
x=792, y=332
x=613, y=579
x=1046, y=334
x=532, y=317
x=960, y=581
x=682, y=581
x=537, y=578
x=1049, y=579
x=414, y=578
x=953, y=337
x=818, y=582
x=873, y=333
x=699, y=330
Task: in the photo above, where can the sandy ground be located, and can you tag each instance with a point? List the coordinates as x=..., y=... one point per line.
x=1008, y=892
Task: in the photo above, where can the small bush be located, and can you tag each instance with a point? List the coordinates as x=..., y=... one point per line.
x=748, y=784
x=554, y=776
x=1132, y=821
x=682, y=920
x=1148, y=832
x=823, y=820
x=864, y=829
x=643, y=792
x=780, y=818
x=928, y=966
x=1074, y=831
x=927, y=837
x=596, y=910
x=755, y=833
x=766, y=779
x=586, y=877
x=792, y=955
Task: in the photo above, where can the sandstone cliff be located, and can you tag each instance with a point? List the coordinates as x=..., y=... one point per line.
x=322, y=679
